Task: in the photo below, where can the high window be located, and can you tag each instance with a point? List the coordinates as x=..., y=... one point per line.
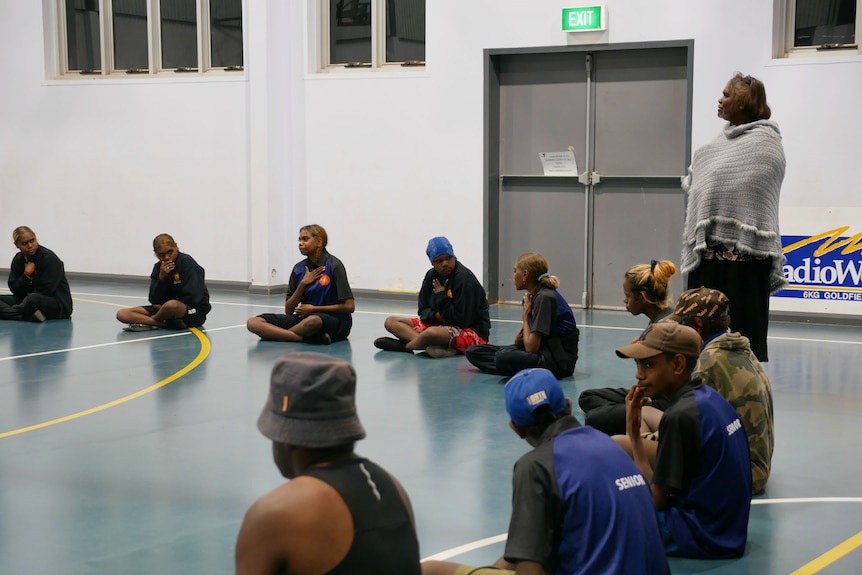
x=373, y=33
x=816, y=27
x=106, y=37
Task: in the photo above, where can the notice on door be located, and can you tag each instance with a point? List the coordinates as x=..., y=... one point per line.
x=559, y=163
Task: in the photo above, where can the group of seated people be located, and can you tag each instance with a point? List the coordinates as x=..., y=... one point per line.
x=668, y=464
x=452, y=317
x=693, y=439
x=40, y=291
x=682, y=452
x=580, y=502
x=453, y=306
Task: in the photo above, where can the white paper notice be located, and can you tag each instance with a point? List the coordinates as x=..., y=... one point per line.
x=559, y=163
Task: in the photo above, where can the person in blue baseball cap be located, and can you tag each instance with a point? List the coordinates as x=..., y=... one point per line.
x=453, y=309
x=579, y=504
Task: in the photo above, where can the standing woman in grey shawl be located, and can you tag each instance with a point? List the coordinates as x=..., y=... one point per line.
x=731, y=240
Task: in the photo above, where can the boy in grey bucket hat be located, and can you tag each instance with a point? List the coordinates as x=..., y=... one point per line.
x=311, y=402
x=362, y=513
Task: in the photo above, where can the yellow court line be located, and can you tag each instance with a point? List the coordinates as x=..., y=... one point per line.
x=202, y=355
x=830, y=556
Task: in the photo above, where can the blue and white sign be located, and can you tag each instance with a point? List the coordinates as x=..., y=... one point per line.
x=824, y=266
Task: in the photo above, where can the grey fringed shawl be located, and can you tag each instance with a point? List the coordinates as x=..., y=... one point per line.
x=733, y=186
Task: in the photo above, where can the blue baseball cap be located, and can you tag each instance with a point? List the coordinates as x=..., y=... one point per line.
x=530, y=388
x=437, y=247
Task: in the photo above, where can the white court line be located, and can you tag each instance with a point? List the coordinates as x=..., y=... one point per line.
x=98, y=345
x=775, y=337
x=461, y=549
x=212, y=302
x=207, y=330
x=586, y=326
x=806, y=500
x=94, y=346
x=455, y=551
x=281, y=307
x=800, y=339
x=108, y=295
x=814, y=340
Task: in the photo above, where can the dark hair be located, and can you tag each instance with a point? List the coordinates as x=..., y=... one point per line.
x=316, y=231
x=163, y=240
x=751, y=94
x=710, y=324
x=544, y=417
x=690, y=362
x=716, y=323
x=326, y=453
x=652, y=281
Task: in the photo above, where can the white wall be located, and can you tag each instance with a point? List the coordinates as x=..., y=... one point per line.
x=384, y=161
x=99, y=169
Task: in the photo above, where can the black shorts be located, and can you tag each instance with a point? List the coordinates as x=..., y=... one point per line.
x=193, y=318
x=337, y=329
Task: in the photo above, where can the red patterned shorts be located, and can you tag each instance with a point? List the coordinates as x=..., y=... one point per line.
x=460, y=338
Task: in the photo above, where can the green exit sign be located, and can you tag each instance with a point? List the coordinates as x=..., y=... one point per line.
x=584, y=19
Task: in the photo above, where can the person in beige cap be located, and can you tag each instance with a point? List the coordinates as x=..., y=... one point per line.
x=701, y=474
x=340, y=512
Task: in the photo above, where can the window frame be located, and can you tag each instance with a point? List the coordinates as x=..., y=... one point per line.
x=378, y=43
x=154, y=44
x=788, y=50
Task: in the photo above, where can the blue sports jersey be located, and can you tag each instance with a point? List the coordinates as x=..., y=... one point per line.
x=329, y=289
x=581, y=506
x=551, y=316
x=565, y=318
x=703, y=457
x=609, y=520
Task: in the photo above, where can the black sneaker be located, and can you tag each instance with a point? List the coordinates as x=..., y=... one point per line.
x=321, y=338
x=391, y=344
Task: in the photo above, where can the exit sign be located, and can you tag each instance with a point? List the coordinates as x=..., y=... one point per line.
x=585, y=19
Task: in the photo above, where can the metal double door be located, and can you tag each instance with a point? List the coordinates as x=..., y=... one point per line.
x=625, y=111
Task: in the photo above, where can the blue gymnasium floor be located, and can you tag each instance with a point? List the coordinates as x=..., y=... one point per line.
x=138, y=452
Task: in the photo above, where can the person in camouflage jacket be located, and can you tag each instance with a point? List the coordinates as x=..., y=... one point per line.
x=728, y=365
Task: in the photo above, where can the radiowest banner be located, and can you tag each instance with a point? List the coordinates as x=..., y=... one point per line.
x=824, y=266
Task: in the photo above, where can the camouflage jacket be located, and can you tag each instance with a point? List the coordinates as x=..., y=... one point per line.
x=728, y=365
